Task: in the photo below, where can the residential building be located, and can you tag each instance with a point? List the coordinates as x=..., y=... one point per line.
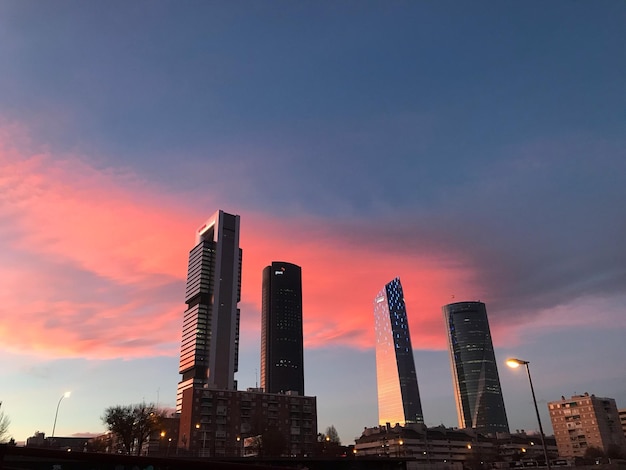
x=398, y=393
x=622, y=419
x=477, y=390
x=282, y=359
x=585, y=421
x=227, y=419
x=433, y=447
x=450, y=448
x=210, y=336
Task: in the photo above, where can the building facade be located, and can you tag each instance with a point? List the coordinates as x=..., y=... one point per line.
x=210, y=336
x=584, y=421
x=449, y=448
x=396, y=379
x=477, y=390
x=622, y=419
x=431, y=447
x=227, y=419
x=282, y=359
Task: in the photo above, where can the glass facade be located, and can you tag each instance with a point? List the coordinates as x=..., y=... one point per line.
x=210, y=337
x=282, y=360
x=474, y=369
x=398, y=393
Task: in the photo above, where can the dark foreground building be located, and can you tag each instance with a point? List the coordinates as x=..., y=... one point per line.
x=282, y=361
x=231, y=421
x=477, y=390
x=398, y=393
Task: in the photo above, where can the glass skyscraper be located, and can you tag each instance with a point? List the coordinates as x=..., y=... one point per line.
x=477, y=389
x=210, y=338
x=282, y=362
x=398, y=393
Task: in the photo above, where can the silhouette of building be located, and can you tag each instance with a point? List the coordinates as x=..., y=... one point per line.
x=210, y=336
x=477, y=390
x=282, y=362
x=585, y=421
x=398, y=393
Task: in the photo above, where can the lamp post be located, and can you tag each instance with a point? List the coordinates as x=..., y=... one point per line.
x=515, y=363
x=56, y=415
x=399, y=448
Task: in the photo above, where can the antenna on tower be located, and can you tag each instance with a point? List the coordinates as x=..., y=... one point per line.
x=256, y=378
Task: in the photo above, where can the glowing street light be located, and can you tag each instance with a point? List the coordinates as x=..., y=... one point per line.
x=514, y=364
x=56, y=415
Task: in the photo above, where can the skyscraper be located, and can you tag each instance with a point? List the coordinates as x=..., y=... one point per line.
x=398, y=393
x=210, y=339
x=215, y=417
x=479, y=401
x=282, y=362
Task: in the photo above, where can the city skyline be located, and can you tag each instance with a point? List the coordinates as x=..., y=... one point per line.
x=474, y=150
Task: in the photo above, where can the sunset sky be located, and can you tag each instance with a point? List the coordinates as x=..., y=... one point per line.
x=474, y=149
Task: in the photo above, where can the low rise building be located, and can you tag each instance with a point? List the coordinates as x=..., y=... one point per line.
x=438, y=445
x=221, y=421
x=585, y=421
x=450, y=448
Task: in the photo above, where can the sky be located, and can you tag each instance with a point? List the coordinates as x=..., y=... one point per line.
x=474, y=149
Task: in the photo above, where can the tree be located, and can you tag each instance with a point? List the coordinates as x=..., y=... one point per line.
x=132, y=424
x=332, y=435
x=4, y=426
x=592, y=454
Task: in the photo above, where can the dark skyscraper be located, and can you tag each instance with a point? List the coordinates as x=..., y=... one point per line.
x=282, y=362
x=210, y=339
x=398, y=394
x=479, y=401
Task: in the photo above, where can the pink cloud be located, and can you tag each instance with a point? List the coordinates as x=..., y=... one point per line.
x=341, y=279
x=98, y=261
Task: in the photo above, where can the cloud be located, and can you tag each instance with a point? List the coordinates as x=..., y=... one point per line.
x=95, y=260
x=341, y=276
x=94, y=257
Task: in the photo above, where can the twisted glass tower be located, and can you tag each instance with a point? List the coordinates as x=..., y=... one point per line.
x=479, y=401
x=398, y=394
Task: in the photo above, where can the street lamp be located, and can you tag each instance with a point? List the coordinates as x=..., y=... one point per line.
x=515, y=363
x=65, y=395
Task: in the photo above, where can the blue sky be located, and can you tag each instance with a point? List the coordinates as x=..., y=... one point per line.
x=476, y=150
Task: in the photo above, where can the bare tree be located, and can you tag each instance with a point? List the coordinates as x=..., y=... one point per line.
x=4, y=426
x=132, y=424
x=332, y=435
